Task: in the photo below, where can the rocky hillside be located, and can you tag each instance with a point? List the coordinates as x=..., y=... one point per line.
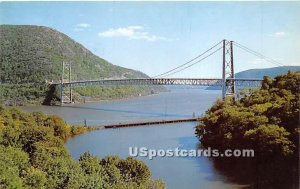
x=31, y=56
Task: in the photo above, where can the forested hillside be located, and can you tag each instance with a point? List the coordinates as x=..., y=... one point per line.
x=33, y=155
x=266, y=120
x=32, y=56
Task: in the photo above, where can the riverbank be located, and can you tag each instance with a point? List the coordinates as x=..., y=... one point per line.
x=77, y=99
x=85, y=100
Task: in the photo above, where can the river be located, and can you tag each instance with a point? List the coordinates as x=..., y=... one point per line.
x=176, y=172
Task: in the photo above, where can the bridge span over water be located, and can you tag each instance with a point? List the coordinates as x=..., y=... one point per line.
x=228, y=82
x=166, y=81
x=224, y=83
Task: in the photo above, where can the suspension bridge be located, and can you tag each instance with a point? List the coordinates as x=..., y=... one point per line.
x=227, y=81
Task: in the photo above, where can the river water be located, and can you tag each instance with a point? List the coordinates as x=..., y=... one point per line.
x=176, y=172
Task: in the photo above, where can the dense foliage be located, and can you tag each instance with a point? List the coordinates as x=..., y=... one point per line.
x=113, y=92
x=266, y=120
x=17, y=94
x=33, y=155
x=33, y=55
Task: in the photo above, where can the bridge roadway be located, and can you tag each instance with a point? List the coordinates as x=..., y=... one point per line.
x=249, y=82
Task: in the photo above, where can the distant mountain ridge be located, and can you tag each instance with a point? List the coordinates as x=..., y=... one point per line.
x=260, y=73
x=271, y=72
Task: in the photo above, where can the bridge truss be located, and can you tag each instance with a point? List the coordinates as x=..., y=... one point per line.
x=228, y=82
x=166, y=81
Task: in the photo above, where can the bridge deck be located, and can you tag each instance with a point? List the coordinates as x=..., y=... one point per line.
x=165, y=81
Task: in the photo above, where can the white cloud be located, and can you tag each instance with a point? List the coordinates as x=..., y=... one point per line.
x=278, y=34
x=133, y=32
x=81, y=26
x=258, y=62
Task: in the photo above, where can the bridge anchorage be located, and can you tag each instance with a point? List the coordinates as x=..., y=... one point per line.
x=228, y=82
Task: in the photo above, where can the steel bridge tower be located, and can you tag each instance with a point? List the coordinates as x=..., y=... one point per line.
x=228, y=86
x=69, y=70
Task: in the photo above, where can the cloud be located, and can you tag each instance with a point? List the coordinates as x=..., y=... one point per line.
x=278, y=34
x=81, y=26
x=133, y=32
x=257, y=61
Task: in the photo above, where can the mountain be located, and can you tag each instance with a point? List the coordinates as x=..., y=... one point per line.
x=271, y=72
x=32, y=56
x=260, y=73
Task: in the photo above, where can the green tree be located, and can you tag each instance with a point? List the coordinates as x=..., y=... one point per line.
x=267, y=120
x=33, y=155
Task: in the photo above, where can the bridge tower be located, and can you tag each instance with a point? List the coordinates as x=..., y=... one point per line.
x=69, y=70
x=228, y=86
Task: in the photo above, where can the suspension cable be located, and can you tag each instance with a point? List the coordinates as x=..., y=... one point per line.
x=270, y=60
x=188, y=65
x=194, y=63
x=161, y=75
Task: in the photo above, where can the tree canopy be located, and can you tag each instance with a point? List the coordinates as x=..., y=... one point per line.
x=267, y=120
x=33, y=155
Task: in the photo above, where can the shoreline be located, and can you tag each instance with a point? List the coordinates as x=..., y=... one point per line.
x=107, y=100
x=92, y=100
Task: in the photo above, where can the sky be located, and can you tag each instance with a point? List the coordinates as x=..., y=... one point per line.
x=154, y=37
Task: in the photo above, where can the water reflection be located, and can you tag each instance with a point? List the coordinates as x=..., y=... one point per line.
x=258, y=173
x=135, y=112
